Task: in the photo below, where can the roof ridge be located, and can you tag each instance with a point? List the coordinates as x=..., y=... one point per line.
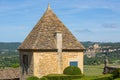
x=48, y=6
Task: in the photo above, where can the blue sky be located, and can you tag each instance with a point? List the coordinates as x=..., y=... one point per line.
x=88, y=20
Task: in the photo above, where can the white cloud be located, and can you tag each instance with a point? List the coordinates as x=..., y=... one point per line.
x=6, y=7
x=84, y=31
x=110, y=25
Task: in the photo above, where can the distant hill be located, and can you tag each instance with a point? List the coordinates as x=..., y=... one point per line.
x=87, y=44
x=9, y=46
x=110, y=44
x=15, y=45
x=9, y=55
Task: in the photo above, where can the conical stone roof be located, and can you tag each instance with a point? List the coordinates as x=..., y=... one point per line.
x=42, y=37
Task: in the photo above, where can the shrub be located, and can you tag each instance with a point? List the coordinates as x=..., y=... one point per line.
x=63, y=77
x=116, y=73
x=72, y=70
x=105, y=77
x=117, y=79
x=43, y=78
x=32, y=78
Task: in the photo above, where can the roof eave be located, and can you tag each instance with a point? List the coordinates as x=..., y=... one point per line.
x=52, y=50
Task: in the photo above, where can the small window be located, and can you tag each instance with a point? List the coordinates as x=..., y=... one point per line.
x=73, y=63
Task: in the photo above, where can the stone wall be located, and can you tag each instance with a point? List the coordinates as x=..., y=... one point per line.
x=45, y=63
x=48, y=62
x=109, y=69
x=72, y=56
x=24, y=75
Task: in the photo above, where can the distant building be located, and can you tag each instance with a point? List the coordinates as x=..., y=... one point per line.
x=92, y=50
x=96, y=46
x=49, y=48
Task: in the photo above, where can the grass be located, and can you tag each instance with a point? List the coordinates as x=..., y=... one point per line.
x=95, y=70
x=92, y=71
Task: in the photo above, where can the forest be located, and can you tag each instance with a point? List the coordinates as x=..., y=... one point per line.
x=9, y=56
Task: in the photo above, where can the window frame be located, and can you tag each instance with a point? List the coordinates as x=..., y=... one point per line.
x=73, y=62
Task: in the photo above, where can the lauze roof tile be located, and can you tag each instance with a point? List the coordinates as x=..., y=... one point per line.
x=42, y=36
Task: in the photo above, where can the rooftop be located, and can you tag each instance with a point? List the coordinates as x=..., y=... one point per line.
x=42, y=37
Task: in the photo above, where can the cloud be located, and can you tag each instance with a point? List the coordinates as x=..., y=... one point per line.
x=111, y=4
x=77, y=7
x=83, y=31
x=111, y=25
x=14, y=6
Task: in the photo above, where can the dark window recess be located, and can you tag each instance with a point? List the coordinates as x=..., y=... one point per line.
x=25, y=63
x=73, y=63
x=25, y=60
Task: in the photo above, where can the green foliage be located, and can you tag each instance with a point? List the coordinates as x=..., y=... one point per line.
x=116, y=73
x=9, y=59
x=9, y=56
x=63, y=77
x=93, y=61
x=113, y=45
x=72, y=70
x=87, y=78
x=117, y=79
x=32, y=78
x=43, y=78
x=113, y=57
x=15, y=65
x=105, y=77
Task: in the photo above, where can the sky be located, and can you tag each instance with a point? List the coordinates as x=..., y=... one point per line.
x=88, y=20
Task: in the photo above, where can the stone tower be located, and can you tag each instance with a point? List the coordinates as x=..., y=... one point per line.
x=49, y=48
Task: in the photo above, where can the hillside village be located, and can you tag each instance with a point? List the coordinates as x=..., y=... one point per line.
x=95, y=48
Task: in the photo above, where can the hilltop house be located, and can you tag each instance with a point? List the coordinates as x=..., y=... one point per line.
x=49, y=48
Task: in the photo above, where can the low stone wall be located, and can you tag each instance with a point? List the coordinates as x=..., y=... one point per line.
x=109, y=69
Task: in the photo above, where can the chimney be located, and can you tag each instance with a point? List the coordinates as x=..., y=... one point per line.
x=59, y=49
x=59, y=41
